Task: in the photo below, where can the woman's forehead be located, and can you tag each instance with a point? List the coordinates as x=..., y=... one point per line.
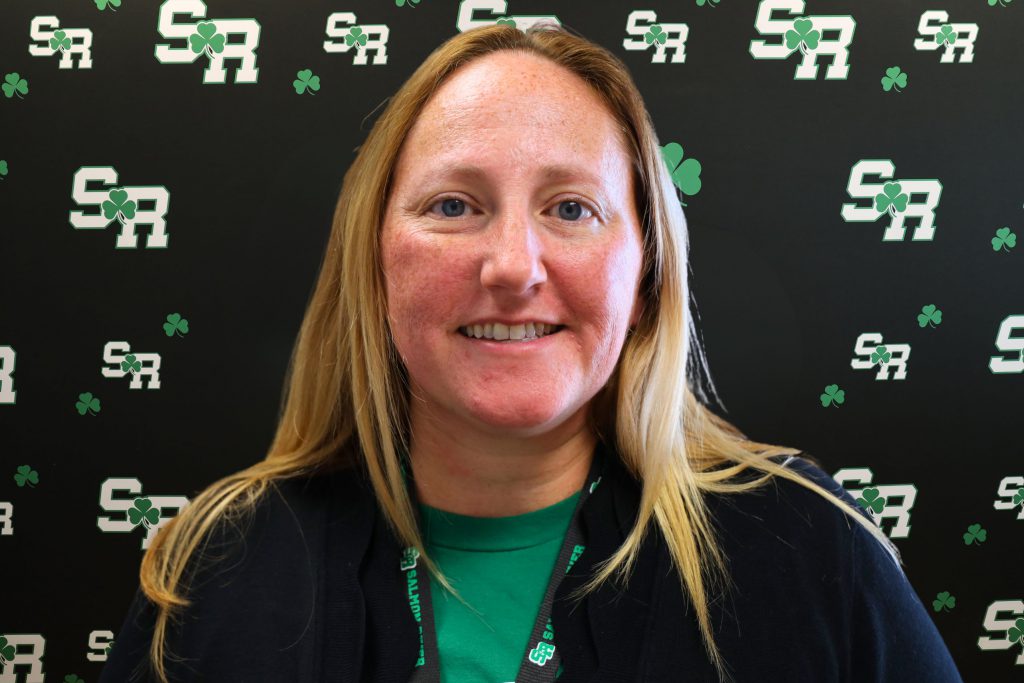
x=509, y=92
x=524, y=109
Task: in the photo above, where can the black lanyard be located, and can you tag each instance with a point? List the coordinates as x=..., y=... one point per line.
x=541, y=660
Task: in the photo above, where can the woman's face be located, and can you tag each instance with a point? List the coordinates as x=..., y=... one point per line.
x=476, y=229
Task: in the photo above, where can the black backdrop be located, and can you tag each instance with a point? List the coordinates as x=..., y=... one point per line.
x=797, y=295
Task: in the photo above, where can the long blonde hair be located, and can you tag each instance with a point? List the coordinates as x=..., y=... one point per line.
x=346, y=397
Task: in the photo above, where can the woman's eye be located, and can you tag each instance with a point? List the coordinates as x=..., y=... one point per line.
x=452, y=207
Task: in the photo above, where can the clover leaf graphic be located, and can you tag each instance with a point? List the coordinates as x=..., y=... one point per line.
x=833, y=395
x=685, y=175
x=306, y=80
x=894, y=78
x=891, y=198
x=709, y=3
x=102, y=4
x=87, y=403
x=73, y=678
x=26, y=475
x=175, y=323
x=929, y=314
x=945, y=34
x=943, y=601
x=1002, y=3
x=1014, y=634
x=870, y=500
x=355, y=35
x=60, y=41
x=117, y=205
x=802, y=36
x=1004, y=239
x=880, y=356
x=130, y=364
x=975, y=534
x=7, y=651
x=655, y=35
x=206, y=38
x=3, y=167
x=14, y=84
x=1018, y=497
x=143, y=513
x=412, y=3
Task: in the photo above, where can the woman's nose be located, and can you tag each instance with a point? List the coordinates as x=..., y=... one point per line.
x=513, y=254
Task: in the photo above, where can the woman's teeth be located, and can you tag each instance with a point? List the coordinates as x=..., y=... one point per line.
x=499, y=332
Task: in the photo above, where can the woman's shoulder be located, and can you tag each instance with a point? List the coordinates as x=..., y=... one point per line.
x=254, y=585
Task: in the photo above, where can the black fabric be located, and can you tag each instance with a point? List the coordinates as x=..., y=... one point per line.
x=312, y=591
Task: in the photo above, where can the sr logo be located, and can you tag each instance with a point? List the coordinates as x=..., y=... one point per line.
x=69, y=42
x=211, y=39
x=813, y=36
x=120, y=204
x=670, y=36
x=898, y=199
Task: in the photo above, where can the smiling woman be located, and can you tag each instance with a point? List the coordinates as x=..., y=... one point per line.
x=494, y=411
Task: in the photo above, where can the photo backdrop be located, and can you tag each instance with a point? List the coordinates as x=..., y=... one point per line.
x=851, y=175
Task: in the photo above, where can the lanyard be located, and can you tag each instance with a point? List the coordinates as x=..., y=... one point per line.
x=540, y=662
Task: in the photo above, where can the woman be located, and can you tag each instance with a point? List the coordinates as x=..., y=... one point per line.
x=490, y=464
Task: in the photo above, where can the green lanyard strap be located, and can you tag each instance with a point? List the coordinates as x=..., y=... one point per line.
x=541, y=660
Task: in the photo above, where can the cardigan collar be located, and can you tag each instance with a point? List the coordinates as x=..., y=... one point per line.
x=370, y=630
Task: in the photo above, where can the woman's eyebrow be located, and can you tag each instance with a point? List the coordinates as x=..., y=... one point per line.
x=548, y=173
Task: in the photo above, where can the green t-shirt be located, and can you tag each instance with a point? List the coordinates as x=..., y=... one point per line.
x=501, y=566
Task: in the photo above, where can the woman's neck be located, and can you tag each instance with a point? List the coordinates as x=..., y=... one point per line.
x=498, y=477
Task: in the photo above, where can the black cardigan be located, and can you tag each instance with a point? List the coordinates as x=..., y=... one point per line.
x=314, y=592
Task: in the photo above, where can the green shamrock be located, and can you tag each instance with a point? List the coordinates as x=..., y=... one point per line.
x=305, y=80
x=143, y=513
x=1015, y=633
x=833, y=394
x=870, y=500
x=175, y=323
x=655, y=34
x=6, y=650
x=73, y=678
x=880, y=355
x=801, y=36
x=1018, y=497
x=60, y=41
x=709, y=3
x=506, y=21
x=207, y=38
x=3, y=167
x=355, y=35
x=102, y=4
x=87, y=403
x=1004, y=239
x=1004, y=3
x=929, y=314
x=26, y=475
x=943, y=601
x=685, y=175
x=891, y=198
x=400, y=3
x=15, y=84
x=945, y=34
x=894, y=77
x=118, y=205
x=129, y=363
x=108, y=648
x=975, y=534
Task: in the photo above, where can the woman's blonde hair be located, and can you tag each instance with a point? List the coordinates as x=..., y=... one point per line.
x=346, y=395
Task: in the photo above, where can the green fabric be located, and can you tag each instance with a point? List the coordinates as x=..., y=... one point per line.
x=501, y=566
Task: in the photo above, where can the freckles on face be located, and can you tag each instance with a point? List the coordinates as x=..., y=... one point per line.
x=508, y=253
